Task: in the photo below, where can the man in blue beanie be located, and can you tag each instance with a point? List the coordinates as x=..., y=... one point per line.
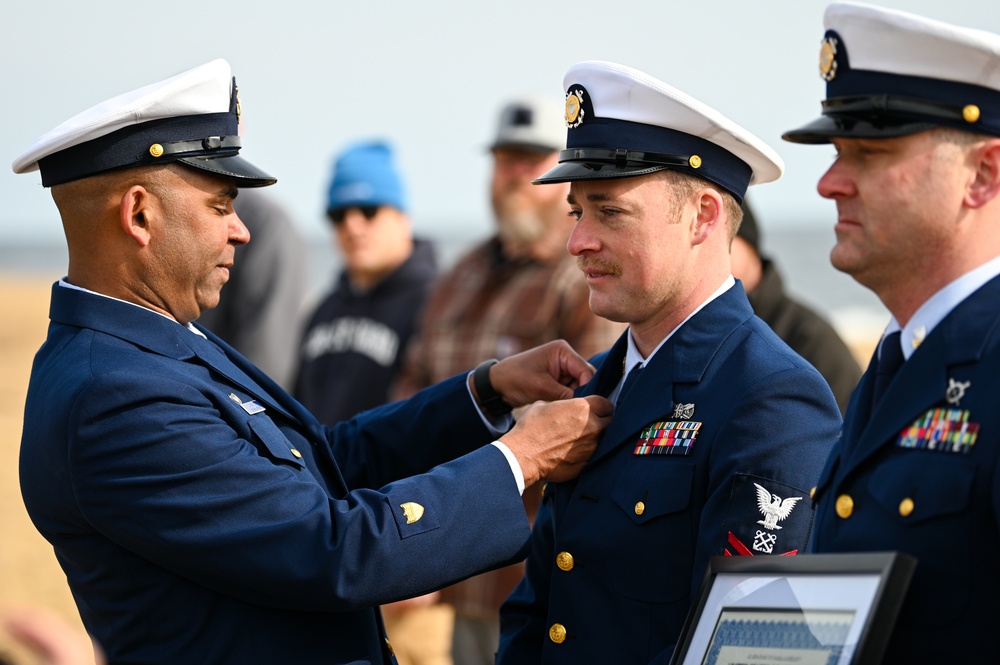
x=361, y=328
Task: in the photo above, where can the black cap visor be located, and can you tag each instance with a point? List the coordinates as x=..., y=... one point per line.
x=829, y=127
x=233, y=166
x=604, y=164
x=570, y=171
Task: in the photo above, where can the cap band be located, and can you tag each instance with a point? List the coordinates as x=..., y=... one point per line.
x=913, y=98
x=621, y=157
x=130, y=146
x=600, y=140
x=207, y=146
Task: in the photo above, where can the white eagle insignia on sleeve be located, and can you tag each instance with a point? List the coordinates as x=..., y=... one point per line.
x=773, y=507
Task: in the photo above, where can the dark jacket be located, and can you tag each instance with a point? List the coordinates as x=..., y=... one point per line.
x=202, y=515
x=807, y=333
x=362, y=335
x=920, y=474
x=618, y=555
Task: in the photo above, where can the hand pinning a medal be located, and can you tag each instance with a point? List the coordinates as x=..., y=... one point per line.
x=556, y=436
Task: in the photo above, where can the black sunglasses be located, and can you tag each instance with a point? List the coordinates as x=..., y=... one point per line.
x=338, y=215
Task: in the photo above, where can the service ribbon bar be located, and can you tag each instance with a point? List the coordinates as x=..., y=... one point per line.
x=941, y=430
x=669, y=437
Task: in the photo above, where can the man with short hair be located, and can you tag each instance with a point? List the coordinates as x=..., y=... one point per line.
x=517, y=290
x=913, y=110
x=719, y=429
x=201, y=514
x=362, y=327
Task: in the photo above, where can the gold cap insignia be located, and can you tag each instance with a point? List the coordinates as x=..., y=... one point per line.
x=970, y=113
x=156, y=150
x=574, y=108
x=828, y=59
x=412, y=511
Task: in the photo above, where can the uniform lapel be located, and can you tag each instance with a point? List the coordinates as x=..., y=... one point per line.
x=683, y=359
x=609, y=369
x=921, y=382
x=158, y=334
x=223, y=359
x=643, y=404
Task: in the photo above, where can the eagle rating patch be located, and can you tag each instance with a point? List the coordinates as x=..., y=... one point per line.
x=765, y=517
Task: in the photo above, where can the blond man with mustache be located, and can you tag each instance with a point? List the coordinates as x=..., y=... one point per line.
x=720, y=429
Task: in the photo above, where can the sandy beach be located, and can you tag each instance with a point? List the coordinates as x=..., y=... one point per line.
x=29, y=573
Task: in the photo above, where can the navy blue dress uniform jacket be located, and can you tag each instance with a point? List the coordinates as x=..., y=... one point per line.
x=618, y=555
x=909, y=476
x=203, y=516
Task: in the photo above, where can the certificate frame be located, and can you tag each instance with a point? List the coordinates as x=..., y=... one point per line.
x=835, y=609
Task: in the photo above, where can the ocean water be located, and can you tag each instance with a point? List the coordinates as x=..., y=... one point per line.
x=802, y=257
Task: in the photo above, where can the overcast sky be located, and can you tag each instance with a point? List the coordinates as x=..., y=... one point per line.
x=429, y=76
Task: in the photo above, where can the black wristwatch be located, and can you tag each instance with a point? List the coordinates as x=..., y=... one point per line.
x=489, y=398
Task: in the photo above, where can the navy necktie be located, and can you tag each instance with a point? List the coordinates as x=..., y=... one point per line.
x=889, y=361
x=629, y=382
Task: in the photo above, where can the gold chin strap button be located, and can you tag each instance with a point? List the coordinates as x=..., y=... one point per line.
x=970, y=113
x=845, y=506
x=156, y=150
x=565, y=561
x=906, y=507
x=694, y=161
x=557, y=633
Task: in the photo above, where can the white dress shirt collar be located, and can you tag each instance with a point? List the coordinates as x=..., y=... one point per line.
x=939, y=305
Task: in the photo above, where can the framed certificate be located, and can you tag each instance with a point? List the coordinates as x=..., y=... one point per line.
x=811, y=609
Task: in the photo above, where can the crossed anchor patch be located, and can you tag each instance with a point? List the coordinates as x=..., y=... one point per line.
x=764, y=542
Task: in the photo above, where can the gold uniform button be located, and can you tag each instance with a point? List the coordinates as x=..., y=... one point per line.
x=565, y=561
x=640, y=508
x=845, y=505
x=812, y=492
x=296, y=453
x=906, y=507
x=544, y=487
x=557, y=633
